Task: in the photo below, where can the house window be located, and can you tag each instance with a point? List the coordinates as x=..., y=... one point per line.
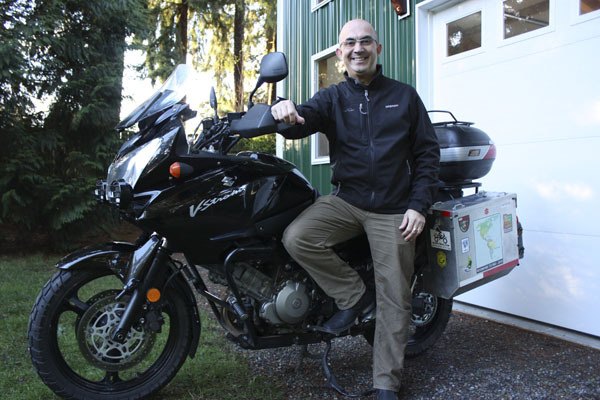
x=402, y=8
x=463, y=34
x=588, y=6
x=327, y=70
x=316, y=4
x=522, y=16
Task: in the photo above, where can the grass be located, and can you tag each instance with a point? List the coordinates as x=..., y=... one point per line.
x=217, y=371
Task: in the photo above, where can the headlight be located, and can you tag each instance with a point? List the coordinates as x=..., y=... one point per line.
x=100, y=191
x=120, y=194
x=129, y=167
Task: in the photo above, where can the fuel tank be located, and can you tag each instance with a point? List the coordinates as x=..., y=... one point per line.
x=243, y=198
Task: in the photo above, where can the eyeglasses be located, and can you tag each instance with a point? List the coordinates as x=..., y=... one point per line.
x=364, y=42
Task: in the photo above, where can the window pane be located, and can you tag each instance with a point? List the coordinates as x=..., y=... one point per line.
x=330, y=71
x=586, y=6
x=464, y=34
x=522, y=16
x=322, y=145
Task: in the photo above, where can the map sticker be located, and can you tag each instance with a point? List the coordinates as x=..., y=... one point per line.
x=488, y=242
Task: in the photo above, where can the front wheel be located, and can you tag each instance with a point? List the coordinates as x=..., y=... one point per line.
x=430, y=315
x=70, y=330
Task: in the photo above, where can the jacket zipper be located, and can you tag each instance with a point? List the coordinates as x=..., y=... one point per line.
x=371, y=149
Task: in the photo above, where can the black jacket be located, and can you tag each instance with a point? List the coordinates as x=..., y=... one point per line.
x=383, y=149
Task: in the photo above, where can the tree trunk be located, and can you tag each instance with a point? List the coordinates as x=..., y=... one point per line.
x=271, y=38
x=182, y=29
x=238, y=40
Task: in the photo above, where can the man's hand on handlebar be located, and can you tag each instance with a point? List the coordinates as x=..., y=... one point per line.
x=285, y=111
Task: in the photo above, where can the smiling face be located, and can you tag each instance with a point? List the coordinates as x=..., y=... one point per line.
x=358, y=50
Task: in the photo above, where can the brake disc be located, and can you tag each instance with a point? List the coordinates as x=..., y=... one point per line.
x=428, y=309
x=95, y=329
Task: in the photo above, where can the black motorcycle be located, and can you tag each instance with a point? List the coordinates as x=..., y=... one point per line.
x=117, y=320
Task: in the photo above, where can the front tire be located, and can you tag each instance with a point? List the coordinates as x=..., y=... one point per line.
x=70, y=346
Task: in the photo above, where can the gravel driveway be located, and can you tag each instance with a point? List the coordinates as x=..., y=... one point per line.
x=475, y=359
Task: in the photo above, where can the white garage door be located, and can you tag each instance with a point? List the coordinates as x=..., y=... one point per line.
x=528, y=73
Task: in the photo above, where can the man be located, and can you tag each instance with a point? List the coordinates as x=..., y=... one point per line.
x=385, y=160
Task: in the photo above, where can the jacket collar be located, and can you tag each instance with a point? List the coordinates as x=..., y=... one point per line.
x=376, y=82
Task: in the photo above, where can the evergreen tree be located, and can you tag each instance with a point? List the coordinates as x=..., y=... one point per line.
x=225, y=37
x=71, y=55
x=168, y=46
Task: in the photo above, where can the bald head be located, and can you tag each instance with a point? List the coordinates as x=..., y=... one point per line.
x=359, y=49
x=357, y=25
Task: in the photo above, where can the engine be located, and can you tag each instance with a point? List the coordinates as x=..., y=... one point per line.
x=289, y=305
x=286, y=302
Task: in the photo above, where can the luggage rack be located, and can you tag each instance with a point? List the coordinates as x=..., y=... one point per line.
x=460, y=185
x=448, y=123
x=453, y=190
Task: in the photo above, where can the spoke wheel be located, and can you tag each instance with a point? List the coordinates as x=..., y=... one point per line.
x=95, y=329
x=424, y=309
x=429, y=319
x=70, y=342
x=428, y=322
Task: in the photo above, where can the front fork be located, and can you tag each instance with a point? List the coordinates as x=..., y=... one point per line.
x=146, y=263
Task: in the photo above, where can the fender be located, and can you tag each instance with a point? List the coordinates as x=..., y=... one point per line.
x=99, y=252
x=116, y=256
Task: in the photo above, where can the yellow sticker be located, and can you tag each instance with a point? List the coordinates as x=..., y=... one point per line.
x=441, y=259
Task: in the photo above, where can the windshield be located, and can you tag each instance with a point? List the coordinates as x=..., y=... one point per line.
x=170, y=93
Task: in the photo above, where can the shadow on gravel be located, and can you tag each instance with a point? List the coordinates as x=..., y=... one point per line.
x=474, y=359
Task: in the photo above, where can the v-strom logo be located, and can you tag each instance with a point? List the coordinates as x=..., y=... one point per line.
x=207, y=203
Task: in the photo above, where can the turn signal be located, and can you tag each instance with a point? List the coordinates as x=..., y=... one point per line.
x=153, y=295
x=180, y=170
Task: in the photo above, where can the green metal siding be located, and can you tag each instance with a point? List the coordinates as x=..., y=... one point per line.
x=307, y=32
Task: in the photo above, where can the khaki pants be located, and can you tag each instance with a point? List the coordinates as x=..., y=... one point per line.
x=309, y=240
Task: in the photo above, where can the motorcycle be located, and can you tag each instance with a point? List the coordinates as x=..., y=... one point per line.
x=118, y=320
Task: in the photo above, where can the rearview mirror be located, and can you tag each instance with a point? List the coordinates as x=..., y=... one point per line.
x=273, y=68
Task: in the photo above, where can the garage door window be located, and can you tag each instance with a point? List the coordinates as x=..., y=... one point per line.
x=464, y=34
x=588, y=6
x=522, y=16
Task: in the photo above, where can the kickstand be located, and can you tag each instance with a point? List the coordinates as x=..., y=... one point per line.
x=304, y=353
x=332, y=382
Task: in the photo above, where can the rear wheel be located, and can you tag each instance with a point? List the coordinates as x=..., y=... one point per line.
x=430, y=316
x=70, y=330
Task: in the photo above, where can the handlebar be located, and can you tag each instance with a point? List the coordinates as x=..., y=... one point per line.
x=257, y=121
x=223, y=134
